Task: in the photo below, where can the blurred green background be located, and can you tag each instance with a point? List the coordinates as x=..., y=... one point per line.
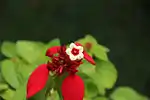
x=121, y=25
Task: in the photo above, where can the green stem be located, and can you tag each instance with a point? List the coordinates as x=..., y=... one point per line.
x=60, y=95
x=58, y=83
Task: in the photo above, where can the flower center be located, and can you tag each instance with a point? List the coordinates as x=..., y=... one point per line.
x=75, y=51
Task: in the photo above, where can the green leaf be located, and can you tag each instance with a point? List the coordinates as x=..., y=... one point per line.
x=86, y=98
x=101, y=98
x=101, y=89
x=8, y=94
x=126, y=93
x=29, y=50
x=90, y=89
x=20, y=93
x=3, y=86
x=91, y=39
x=39, y=96
x=99, y=52
x=8, y=49
x=87, y=39
x=54, y=96
x=1, y=78
x=83, y=75
x=54, y=42
x=26, y=70
x=9, y=74
x=21, y=79
x=89, y=70
x=42, y=58
x=106, y=74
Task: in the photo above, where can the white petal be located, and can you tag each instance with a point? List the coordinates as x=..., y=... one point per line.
x=72, y=45
x=72, y=57
x=68, y=51
x=81, y=49
x=80, y=56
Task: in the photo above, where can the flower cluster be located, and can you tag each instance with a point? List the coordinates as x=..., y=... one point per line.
x=63, y=60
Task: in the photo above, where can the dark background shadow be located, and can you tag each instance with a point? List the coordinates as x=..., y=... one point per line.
x=121, y=25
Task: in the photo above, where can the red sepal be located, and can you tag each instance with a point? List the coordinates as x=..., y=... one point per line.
x=53, y=50
x=37, y=80
x=72, y=88
x=88, y=58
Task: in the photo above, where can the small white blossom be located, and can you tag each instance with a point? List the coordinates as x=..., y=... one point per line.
x=75, y=52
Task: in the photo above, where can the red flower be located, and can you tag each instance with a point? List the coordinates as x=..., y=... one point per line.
x=62, y=60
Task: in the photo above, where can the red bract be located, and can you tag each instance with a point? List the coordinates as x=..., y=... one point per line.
x=53, y=50
x=73, y=88
x=89, y=58
x=62, y=60
x=37, y=80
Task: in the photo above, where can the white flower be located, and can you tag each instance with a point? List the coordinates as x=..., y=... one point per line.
x=75, y=52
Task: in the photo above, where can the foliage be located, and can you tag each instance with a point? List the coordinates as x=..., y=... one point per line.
x=24, y=56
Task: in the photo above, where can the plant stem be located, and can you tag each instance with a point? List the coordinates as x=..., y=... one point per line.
x=60, y=95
